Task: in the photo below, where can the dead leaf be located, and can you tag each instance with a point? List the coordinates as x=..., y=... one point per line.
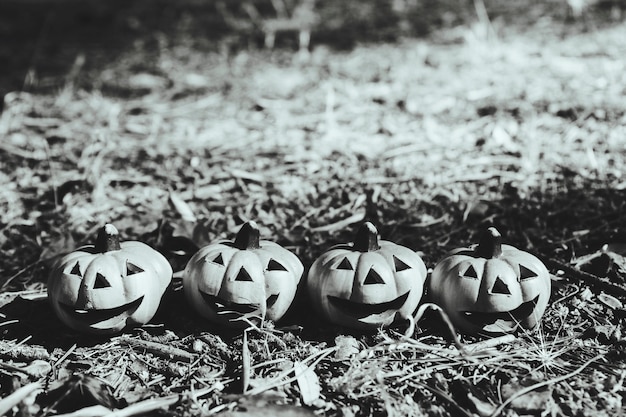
x=90, y=411
x=308, y=383
x=38, y=368
x=483, y=408
x=610, y=301
x=271, y=410
x=532, y=401
x=182, y=207
x=19, y=395
x=599, y=265
x=146, y=81
x=246, y=360
x=347, y=347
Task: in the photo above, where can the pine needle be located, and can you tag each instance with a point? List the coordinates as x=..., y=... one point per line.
x=544, y=383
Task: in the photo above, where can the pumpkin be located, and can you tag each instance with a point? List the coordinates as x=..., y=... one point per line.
x=108, y=286
x=491, y=288
x=227, y=280
x=368, y=283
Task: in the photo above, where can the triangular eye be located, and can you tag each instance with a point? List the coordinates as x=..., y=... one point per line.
x=76, y=270
x=274, y=265
x=526, y=273
x=218, y=260
x=400, y=265
x=132, y=269
x=243, y=275
x=470, y=272
x=345, y=264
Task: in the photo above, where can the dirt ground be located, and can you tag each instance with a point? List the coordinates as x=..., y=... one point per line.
x=160, y=121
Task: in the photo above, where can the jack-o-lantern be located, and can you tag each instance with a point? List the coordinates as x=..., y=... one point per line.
x=228, y=279
x=491, y=288
x=368, y=283
x=108, y=286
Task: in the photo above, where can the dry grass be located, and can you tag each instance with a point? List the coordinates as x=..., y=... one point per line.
x=430, y=140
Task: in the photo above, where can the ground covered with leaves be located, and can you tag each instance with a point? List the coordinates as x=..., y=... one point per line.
x=431, y=139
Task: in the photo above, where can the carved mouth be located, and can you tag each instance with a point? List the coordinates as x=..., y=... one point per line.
x=221, y=305
x=362, y=310
x=502, y=321
x=271, y=300
x=94, y=316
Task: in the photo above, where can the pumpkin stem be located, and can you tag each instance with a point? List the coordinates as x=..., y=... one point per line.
x=248, y=236
x=108, y=239
x=490, y=245
x=366, y=238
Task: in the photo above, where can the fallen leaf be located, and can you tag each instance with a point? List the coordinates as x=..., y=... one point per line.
x=308, y=383
x=347, y=347
x=483, y=408
x=532, y=401
x=38, y=368
x=182, y=207
x=610, y=301
x=246, y=360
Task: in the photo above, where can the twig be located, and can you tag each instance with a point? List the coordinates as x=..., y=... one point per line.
x=36, y=369
x=158, y=349
x=19, y=352
x=65, y=355
x=245, y=362
x=19, y=395
x=53, y=179
x=446, y=320
x=153, y=404
x=43, y=32
x=544, y=383
x=445, y=396
x=91, y=411
x=17, y=274
x=145, y=406
x=489, y=343
x=483, y=17
x=278, y=380
x=27, y=268
x=593, y=280
x=355, y=218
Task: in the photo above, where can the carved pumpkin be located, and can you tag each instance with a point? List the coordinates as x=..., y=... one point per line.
x=105, y=287
x=228, y=279
x=368, y=283
x=491, y=288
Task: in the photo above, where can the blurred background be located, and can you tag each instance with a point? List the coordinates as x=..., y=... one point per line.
x=45, y=42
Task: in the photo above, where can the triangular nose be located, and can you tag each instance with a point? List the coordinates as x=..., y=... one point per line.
x=499, y=287
x=100, y=282
x=243, y=275
x=373, y=278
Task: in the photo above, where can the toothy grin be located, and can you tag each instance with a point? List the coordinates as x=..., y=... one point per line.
x=505, y=320
x=93, y=316
x=360, y=310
